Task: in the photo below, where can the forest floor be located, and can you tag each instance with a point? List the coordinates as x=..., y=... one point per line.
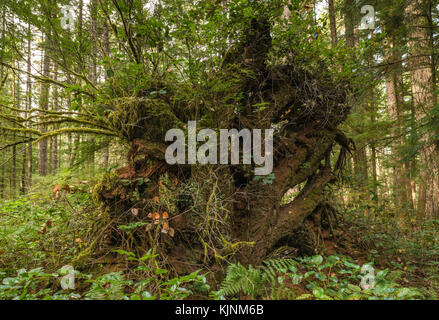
x=368, y=256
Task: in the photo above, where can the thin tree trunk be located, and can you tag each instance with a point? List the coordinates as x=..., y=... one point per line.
x=360, y=155
x=2, y=172
x=332, y=22
x=106, y=45
x=44, y=104
x=29, y=103
x=76, y=138
x=54, y=139
x=93, y=71
x=14, y=148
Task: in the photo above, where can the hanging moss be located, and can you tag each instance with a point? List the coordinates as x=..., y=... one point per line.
x=142, y=118
x=109, y=187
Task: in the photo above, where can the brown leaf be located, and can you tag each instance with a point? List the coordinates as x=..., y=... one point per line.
x=171, y=232
x=156, y=199
x=166, y=226
x=56, y=188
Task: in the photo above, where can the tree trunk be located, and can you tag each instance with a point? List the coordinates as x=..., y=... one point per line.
x=29, y=104
x=54, y=139
x=394, y=94
x=107, y=52
x=332, y=22
x=423, y=100
x=44, y=104
x=14, y=148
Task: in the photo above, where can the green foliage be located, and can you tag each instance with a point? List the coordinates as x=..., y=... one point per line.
x=412, y=249
x=250, y=281
x=37, y=284
x=333, y=277
x=39, y=230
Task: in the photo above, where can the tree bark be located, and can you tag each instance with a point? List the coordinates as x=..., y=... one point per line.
x=29, y=104
x=423, y=100
x=54, y=139
x=394, y=94
x=44, y=104
x=332, y=22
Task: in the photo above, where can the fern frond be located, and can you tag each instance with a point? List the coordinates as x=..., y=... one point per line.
x=252, y=281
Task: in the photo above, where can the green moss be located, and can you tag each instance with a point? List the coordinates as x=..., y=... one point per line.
x=110, y=183
x=142, y=118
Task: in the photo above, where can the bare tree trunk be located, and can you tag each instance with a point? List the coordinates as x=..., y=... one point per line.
x=14, y=148
x=44, y=104
x=332, y=22
x=106, y=45
x=76, y=138
x=423, y=101
x=394, y=87
x=2, y=172
x=374, y=164
x=29, y=103
x=360, y=154
x=21, y=151
x=93, y=70
x=54, y=139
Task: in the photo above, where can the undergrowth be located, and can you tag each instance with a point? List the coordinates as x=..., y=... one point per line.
x=41, y=233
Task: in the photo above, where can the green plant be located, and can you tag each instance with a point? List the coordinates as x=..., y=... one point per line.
x=110, y=286
x=154, y=279
x=333, y=277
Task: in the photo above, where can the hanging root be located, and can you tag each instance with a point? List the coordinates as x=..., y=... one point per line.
x=325, y=217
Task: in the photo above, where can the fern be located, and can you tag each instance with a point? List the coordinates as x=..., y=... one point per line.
x=274, y=266
x=252, y=281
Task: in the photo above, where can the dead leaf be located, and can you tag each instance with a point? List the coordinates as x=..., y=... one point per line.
x=56, y=188
x=171, y=232
x=156, y=199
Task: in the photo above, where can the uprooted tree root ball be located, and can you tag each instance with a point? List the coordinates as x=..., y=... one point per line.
x=206, y=215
